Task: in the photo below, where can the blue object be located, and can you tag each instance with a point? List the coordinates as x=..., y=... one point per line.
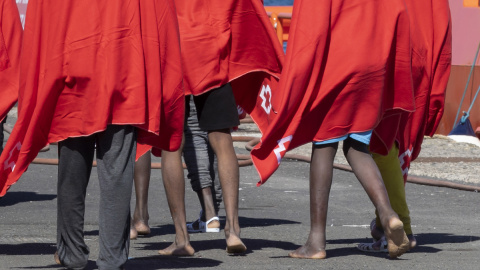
x=278, y=2
x=464, y=127
x=465, y=91
x=363, y=137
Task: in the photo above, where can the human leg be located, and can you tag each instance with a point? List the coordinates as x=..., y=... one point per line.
x=210, y=192
x=321, y=172
x=74, y=168
x=206, y=196
x=228, y=172
x=115, y=166
x=141, y=181
x=369, y=176
x=389, y=167
x=217, y=113
x=199, y=158
x=217, y=188
x=206, y=222
x=174, y=183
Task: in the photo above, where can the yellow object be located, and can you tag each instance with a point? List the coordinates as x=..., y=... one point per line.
x=391, y=171
x=471, y=3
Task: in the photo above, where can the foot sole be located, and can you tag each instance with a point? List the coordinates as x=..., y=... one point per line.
x=236, y=249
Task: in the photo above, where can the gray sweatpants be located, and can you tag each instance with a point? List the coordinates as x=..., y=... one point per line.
x=200, y=158
x=115, y=164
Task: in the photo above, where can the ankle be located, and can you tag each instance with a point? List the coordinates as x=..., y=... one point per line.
x=388, y=220
x=214, y=224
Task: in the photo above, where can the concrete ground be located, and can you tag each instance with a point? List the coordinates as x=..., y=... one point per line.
x=274, y=220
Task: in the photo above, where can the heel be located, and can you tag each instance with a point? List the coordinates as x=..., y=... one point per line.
x=207, y=229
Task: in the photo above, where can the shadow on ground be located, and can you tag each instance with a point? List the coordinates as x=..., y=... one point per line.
x=425, y=244
x=14, y=197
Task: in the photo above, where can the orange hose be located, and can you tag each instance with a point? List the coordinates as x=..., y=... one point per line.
x=245, y=160
x=411, y=179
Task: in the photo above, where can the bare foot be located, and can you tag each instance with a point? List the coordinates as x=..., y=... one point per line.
x=413, y=241
x=45, y=148
x=234, y=243
x=133, y=233
x=174, y=250
x=308, y=252
x=141, y=227
x=56, y=258
x=397, y=239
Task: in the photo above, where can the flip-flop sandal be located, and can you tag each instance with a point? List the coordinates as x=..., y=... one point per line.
x=378, y=232
x=202, y=226
x=368, y=247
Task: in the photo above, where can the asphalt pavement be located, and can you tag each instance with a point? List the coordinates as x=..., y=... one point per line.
x=274, y=220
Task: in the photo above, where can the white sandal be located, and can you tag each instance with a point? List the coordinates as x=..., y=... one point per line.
x=202, y=225
x=368, y=247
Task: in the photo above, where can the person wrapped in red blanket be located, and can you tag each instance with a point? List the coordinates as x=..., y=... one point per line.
x=230, y=54
x=431, y=60
x=92, y=73
x=347, y=67
x=10, y=44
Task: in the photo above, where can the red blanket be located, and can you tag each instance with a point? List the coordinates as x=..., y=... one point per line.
x=10, y=44
x=87, y=64
x=347, y=66
x=431, y=61
x=230, y=41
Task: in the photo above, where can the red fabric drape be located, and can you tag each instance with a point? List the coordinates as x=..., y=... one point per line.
x=10, y=44
x=87, y=64
x=232, y=41
x=222, y=40
x=431, y=61
x=347, y=67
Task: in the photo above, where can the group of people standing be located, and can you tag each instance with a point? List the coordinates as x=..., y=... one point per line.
x=119, y=78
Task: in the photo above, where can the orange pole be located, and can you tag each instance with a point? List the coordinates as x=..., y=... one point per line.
x=277, y=26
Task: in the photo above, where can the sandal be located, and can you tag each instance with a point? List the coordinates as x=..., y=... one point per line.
x=202, y=226
x=375, y=247
x=375, y=232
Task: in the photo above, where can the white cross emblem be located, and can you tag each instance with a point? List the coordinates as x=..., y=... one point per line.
x=265, y=94
x=408, y=154
x=11, y=165
x=281, y=147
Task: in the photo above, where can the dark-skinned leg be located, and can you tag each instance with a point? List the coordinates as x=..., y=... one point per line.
x=321, y=172
x=142, y=182
x=208, y=212
x=205, y=197
x=369, y=176
x=174, y=183
x=200, y=159
x=222, y=144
